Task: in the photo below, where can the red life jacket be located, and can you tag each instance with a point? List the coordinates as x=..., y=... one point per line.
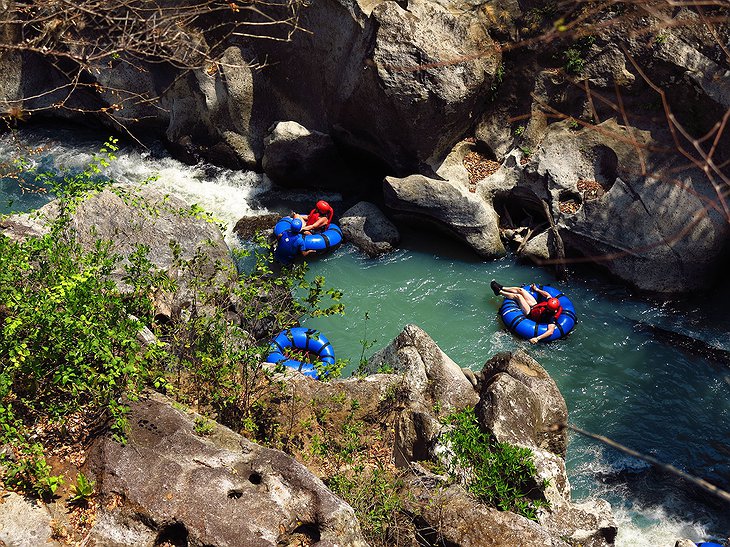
x=314, y=215
x=540, y=313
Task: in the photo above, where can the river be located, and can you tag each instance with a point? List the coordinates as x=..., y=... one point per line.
x=618, y=372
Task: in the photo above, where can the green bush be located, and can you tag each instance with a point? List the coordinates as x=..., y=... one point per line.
x=374, y=494
x=82, y=490
x=498, y=474
x=68, y=336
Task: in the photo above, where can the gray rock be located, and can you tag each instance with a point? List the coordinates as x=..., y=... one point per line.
x=430, y=380
x=448, y=206
x=590, y=523
x=521, y=403
x=24, y=522
x=169, y=483
x=295, y=156
x=240, y=129
x=606, y=66
x=210, y=115
x=142, y=216
x=131, y=92
x=365, y=226
x=412, y=82
x=416, y=429
x=247, y=227
x=428, y=371
x=460, y=520
x=495, y=132
x=711, y=77
x=659, y=232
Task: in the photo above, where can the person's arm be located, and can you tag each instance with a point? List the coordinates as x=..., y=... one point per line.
x=541, y=292
x=546, y=334
x=321, y=221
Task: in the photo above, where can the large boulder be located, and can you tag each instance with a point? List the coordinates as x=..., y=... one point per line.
x=430, y=380
x=421, y=84
x=167, y=483
x=654, y=219
x=365, y=226
x=211, y=114
x=295, y=156
x=402, y=84
x=521, y=404
x=448, y=206
x=428, y=372
x=454, y=200
x=129, y=217
x=464, y=522
x=24, y=522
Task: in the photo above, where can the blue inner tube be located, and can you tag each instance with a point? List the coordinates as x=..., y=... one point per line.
x=309, y=340
x=282, y=225
x=325, y=241
x=322, y=242
x=517, y=322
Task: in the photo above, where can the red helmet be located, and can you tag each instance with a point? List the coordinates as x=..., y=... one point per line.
x=553, y=304
x=323, y=206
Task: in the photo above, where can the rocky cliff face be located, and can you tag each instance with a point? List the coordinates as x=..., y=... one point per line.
x=636, y=110
x=173, y=484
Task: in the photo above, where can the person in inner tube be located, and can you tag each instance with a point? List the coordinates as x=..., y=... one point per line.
x=546, y=310
x=318, y=219
x=291, y=244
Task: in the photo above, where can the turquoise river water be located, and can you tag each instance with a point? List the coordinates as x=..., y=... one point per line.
x=618, y=377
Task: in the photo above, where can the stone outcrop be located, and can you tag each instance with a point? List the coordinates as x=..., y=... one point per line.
x=516, y=401
x=376, y=76
x=520, y=404
x=535, y=410
x=173, y=483
x=402, y=82
x=168, y=483
x=657, y=227
x=365, y=226
x=295, y=156
x=24, y=522
x=448, y=207
x=141, y=216
x=428, y=373
x=464, y=523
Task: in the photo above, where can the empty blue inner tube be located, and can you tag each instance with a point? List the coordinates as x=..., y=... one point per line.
x=325, y=241
x=517, y=322
x=309, y=340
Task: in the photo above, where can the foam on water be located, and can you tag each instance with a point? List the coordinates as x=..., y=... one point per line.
x=229, y=195
x=640, y=524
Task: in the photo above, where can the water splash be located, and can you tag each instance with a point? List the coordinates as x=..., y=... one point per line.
x=229, y=195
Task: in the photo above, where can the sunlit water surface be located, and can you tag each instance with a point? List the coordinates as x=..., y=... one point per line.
x=618, y=380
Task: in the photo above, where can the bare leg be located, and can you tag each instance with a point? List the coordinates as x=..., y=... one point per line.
x=523, y=298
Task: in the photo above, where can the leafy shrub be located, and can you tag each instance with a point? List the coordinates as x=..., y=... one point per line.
x=498, y=474
x=574, y=61
x=68, y=336
x=374, y=494
x=82, y=490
